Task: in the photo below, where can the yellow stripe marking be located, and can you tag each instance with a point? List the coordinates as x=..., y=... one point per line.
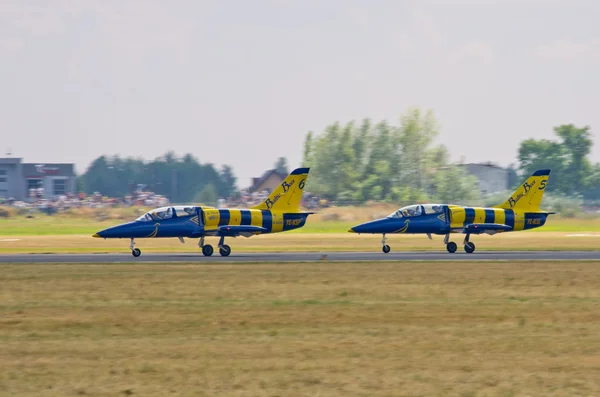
x=277, y=225
x=235, y=217
x=499, y=216
x=479, y=215
x=519, y=221
x=457, y=216
x=256, y=218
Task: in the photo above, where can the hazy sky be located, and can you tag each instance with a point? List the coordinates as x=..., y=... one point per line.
x=241, y=82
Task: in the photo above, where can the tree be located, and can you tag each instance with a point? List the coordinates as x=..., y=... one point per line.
x=360, y=144
x=577, y=144
x=417, y=132
x=592, y=191
x=96, y=178
x=567, y=158
x=208, y=195
x=452, y=185
x=228, y=181
x=180, y=180
x=308, y=144
x=345, y=163
x=534, y=155
x=322, y=162
x=281, y=166
x=378, y=175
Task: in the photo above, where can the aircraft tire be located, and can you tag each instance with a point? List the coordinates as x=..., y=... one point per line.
x=136, y=252
x=207, y=250
x=469, y=247
x=225, y=250
x=451, y=247
x=386, y=248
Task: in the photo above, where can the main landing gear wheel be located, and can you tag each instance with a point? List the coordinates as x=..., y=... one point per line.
x=136, y=252
x=207, y=250
x=469, y=247
x=451, y=247
x=225, y=250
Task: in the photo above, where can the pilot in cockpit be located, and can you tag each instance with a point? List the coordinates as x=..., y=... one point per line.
x=412, y=211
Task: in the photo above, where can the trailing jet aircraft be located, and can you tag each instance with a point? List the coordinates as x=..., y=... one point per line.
x=278, y=213
x=520, y=212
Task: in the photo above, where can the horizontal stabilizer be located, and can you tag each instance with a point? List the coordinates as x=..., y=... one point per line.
x=243, y=230
x=489, y=228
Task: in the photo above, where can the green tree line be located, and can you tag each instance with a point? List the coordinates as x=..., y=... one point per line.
x=180, y=179
x=399, y=163
x=356, y=162
x=573, y=174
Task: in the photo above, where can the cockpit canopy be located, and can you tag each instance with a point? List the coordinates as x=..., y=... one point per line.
x=163, y=213
x=412, y=211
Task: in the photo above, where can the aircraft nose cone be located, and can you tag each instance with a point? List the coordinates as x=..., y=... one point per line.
x=359, y=228
x=377, y=226
x=104, y=233
x=125, y=230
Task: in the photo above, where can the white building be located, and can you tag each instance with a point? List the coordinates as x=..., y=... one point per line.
x=491, y=178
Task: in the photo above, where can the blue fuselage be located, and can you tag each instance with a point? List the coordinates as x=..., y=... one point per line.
x=455, y=219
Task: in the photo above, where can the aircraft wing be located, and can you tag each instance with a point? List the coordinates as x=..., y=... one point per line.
x=487, y=228
x=234, y=231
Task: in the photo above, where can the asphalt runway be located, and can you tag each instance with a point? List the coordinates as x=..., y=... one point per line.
x=305, y=257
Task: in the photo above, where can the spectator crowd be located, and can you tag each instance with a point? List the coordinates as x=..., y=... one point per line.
x=50, y=205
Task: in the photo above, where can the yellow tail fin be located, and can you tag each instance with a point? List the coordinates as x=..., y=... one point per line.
x=286, y=197
x=529, y=195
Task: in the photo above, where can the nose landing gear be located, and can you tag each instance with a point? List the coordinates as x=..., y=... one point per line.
x=385, y=248
x=134, y=251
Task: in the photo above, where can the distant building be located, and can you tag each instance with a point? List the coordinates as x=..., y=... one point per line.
x=17, y=178
x=492, y=178
x=268, y=181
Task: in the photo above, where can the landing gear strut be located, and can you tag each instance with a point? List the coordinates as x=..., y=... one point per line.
x=385, y=248
x=224, y=249
x=207, y=250
x=134, y=251
x=469, y=246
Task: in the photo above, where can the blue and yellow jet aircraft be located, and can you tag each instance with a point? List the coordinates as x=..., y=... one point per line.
x=278, y=213
x=520, y=212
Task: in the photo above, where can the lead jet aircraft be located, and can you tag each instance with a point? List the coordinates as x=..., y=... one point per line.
x=520, y=212
x=278, y=213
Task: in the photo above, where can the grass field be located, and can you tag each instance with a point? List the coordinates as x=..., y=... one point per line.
x=385, y=329
x=329, y=220
x=305, y=242
x=326, y=231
